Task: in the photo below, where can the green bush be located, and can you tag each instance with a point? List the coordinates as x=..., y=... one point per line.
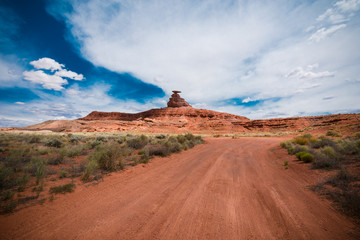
x=54, y=143
x=95, y=143
x=75, y=139
x=35, y=139
x=8, y=206
x=301, y=140
x=161, y=136
x=332, y=133
x=63, y=173
x=307, y=157
x=40, y=169
x=108, y=157
x=158, y=150
x=299, y=155
x=90, y=169
x=63, y=188
x=138, y=142
x=328, y=151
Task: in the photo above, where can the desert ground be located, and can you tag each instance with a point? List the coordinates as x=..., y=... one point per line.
x=223, y=189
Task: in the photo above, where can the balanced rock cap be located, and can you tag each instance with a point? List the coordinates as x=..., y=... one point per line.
x=176, y=101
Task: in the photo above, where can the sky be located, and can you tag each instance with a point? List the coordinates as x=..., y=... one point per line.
x=259, y=59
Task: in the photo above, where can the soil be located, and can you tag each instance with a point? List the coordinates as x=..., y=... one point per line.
x=224, y=189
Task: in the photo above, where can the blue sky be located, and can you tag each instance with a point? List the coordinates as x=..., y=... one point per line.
x=64, y=59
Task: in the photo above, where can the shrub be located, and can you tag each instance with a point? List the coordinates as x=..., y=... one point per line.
x=328, y=151
x=301, y=140
x=7, y=195
x=37, y=168
x=284, y=144
x=349, y=146
x=75, y=139
x=108, y=158
x=95, y=143
x=357, y=135
x=138, y=142
x=63, y=188
x=158, y=150
x=332, y=133
x=322, y=142
x=7, y=179
x=9, y=206
x=122, y=140
x=341, y=179
x=299, y=155
x=35, y=139
x=90, y=169
x=161, y=136
x=307, y=157
x=54, y=143
x=101, y=139
x=300, y=148
x=63, y=173
x=323, y=161
x=286, y=164
x=181, y=139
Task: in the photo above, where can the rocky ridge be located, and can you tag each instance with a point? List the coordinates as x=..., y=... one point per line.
x=180, y=117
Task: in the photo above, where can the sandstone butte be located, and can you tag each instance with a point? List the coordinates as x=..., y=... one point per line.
x=180, y=117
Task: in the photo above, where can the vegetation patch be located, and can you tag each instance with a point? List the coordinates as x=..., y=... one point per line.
x=329, y=154
x=67, y=188
x=29, y=160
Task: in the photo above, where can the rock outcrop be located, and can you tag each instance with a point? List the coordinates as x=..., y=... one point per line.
x=176, y=101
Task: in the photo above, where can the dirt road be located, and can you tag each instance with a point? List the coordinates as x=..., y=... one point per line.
x=224, y=189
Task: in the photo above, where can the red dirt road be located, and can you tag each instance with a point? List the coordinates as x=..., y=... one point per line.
x=224, y=189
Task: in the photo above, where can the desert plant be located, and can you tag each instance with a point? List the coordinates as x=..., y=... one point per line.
x=107, y=157
x=307, y=157
x=161, y=136
x=8, y=206
x=332, y=133
x=95, y=143
x=54, y=143
x=90, y=169
x=286, y=164
x=138, y=142
x=328, y=151
x=63, y=188
x=301, y=140
x=63, y=173
x=299, y=155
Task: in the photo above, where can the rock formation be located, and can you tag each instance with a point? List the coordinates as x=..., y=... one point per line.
x=176, y=101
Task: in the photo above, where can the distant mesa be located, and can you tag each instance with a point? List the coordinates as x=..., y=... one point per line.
x=176, y=101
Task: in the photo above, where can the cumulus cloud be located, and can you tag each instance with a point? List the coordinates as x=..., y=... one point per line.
x=218, y=50
x=47, y=64
x=55, y=80
x=69, y=74
x=46, y=80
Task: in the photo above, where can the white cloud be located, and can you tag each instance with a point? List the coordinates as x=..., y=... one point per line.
x=325, y=32
x=69, y=74
x=219, y=50
x=20, y=103
x=46, y=80
x=47, y=64
x=301, y=73
x=348, y=5
x=55, y=80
